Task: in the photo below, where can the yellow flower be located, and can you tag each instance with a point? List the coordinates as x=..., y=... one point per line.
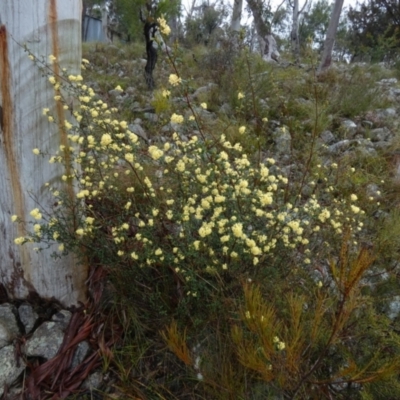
x=164, y=28
x=14, y=218
x=105, y=139
x=19, y=240
x=89, y=220
x=36, y=151
x=281, y=346
x=224, y=238
x=166, y=93
x=174, y=80
x=61, y=247
x=36, y=214
x=119, y=89
x=129, y=157
x=242, y=130
x=155, y=152
x=240, y=95
x=180, y=166
x=203, y=105
x=324, y=215
x=80, y=232
x=52, y=58
x=237, y=230
x=52, y=80
x=176, y=118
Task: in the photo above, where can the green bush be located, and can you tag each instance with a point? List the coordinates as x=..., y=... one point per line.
x=216, y=251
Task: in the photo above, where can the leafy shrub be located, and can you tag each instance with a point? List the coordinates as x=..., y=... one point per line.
x=218, y=246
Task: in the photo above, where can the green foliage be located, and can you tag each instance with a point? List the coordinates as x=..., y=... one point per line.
x=127, y=13
x=374, y=30
x=315, y=22
x=293, y=345
x=203, y=24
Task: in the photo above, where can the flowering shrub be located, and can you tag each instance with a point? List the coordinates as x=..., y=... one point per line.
x=194, y=219
x=203, y=209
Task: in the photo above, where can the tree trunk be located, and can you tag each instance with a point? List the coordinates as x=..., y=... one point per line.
x=269, y=49
x=294, y=35
x=330, y=36
x=104, y=22
x=236, y=15
x=47, y=27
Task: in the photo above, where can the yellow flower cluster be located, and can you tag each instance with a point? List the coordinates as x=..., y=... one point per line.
x=164, y=28
x=174, y=80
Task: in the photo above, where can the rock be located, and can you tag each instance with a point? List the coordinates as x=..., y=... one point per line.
x=138, y=130
x=93, y=381
x=282, y=140
x=204, y=114
x=151, y=116
x=62, y=317
x=382, y=145
x=394, y=307
x=339, y=147
x=327, y=137
x=202, y=90
x=136, y=106
x=130, y=90
x=7, y=318
x=387, y=82
x=82, y=350
x=349, y=126
x=380, y=134
x=367, y=124
x=5, y=335
x=386, y=113
x=45, y=341
x=27, y=316
x=372, y=190
x=225, y=109
x=114, y=93
x=10, y=367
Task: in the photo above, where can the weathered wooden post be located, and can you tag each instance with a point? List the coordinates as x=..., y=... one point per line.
x=47, y=27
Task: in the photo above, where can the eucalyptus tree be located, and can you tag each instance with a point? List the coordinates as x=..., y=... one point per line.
x=236, y=15
x=294, y=33
x=326, y=59
x=269, y=49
